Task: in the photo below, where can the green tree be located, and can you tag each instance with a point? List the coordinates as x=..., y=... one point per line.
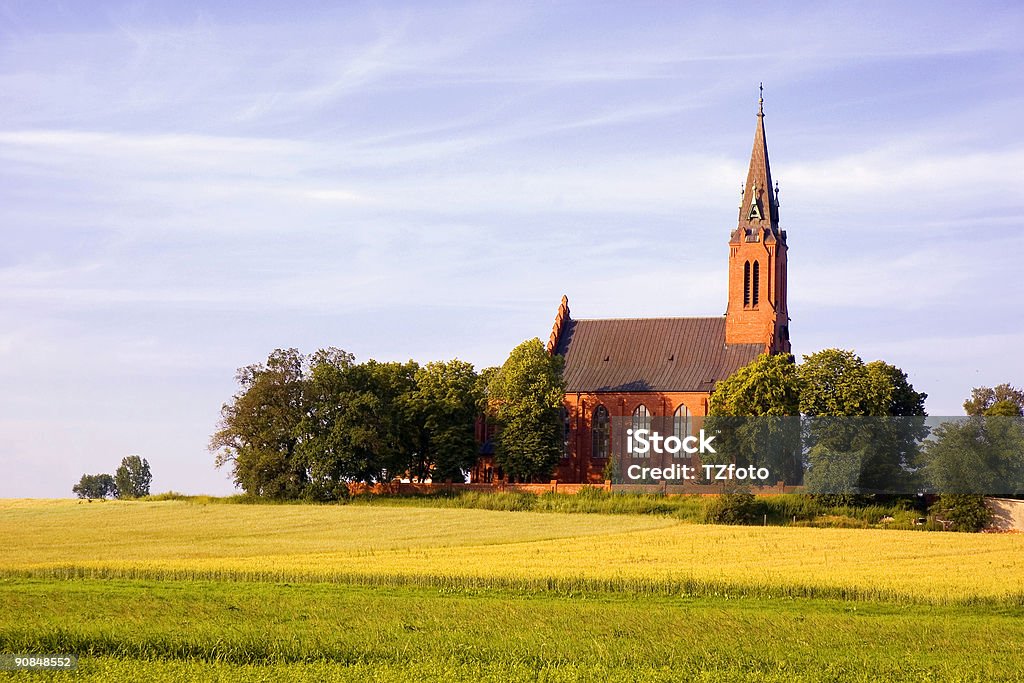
x=358, y=425
x=133, y=477
x=381, y=417
x=895, y=394
x=883, y=446
x=93, y=486
x=768, y=385
x=891, y=455
x=967, y=512
x=526, y=395
x=836, y=382
x=1002, y=400
x=754, y=415
x=324, y=450
x=1003, y=409
x=259, y=430
x=979, y=455
x=446, y=402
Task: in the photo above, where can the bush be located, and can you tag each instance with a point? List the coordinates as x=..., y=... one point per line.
x=740, y=507
x=966, y=512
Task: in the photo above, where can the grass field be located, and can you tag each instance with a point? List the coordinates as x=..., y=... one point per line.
x=176, y=590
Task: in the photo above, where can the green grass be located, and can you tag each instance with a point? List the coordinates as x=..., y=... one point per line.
x=205, y=629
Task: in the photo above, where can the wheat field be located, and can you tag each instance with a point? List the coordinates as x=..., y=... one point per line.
x=182, y=590
x=178, y=539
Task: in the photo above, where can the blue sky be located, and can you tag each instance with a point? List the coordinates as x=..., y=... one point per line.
x=185, y=187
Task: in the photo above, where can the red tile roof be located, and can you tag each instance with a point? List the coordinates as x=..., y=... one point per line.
x=649, y=354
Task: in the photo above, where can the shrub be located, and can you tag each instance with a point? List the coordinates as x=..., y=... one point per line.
x=966, y=512
x=739, y=507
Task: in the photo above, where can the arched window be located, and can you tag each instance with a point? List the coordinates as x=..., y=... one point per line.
x=600, y=433
x=746, y=283
x=757, y=282
x=682, y=426
x=641, y=420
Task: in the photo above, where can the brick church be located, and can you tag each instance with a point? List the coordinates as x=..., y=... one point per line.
x=645, y=369
x=664, y=369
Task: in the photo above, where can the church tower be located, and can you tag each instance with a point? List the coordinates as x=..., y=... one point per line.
x=757, y=311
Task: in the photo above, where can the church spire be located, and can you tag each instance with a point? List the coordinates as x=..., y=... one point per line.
x=757, y=312
x=759, y=207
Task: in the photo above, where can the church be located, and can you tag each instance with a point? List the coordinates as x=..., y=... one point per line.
x=643, y=369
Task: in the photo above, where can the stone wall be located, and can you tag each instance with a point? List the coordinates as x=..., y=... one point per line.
x=1008, y=514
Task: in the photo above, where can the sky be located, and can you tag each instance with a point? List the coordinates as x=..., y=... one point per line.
x=185, y=187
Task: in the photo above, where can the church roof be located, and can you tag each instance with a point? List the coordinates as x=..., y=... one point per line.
x=649, y=354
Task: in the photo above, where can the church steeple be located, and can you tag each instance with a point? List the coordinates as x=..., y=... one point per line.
x=759, y=209
x=757, y=311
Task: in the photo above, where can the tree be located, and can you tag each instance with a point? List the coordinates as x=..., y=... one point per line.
x=967, y=512
x=1003, y=409
x=768, y=385
x=95, y=486
x=259, y=430
x=526, y=395
x=837, y=383
x=379, y=418
x=883, y=444
x=754, y=414
x=895, y=394
x=133, y=477
x=358, y=426
x=979, y=455
x=445, y=402
x=1003, y=400
x=324, y=451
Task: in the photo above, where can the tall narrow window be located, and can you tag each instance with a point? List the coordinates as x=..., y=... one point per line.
x=642, y=420
x=757, y=282
x=682, y=427
x=600, y=433
x=746, y=283
x=566, y=431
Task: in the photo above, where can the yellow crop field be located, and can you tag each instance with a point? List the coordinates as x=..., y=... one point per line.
x=307, y=542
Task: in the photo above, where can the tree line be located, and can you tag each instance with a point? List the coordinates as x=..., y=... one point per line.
x=304, y=427
x=307, y=426
x=131, y=480
x=897, y=453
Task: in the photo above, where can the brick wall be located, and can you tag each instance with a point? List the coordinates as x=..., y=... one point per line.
x=580, y=466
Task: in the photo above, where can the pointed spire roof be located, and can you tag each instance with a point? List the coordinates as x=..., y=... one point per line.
x=758, y=206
